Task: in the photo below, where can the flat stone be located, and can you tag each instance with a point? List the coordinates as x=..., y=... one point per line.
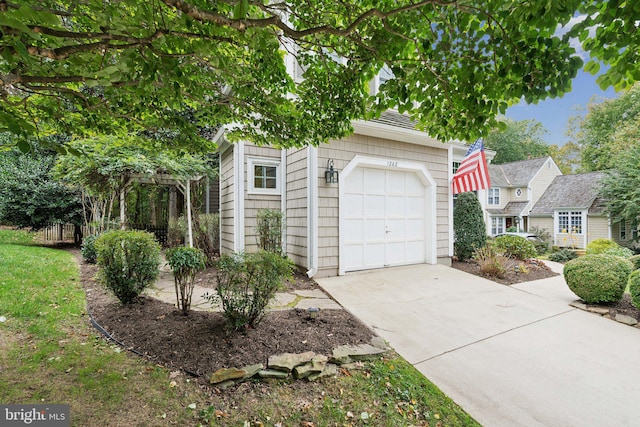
x=380, y=343
x=353, y=366
x=322, y=304
x=225, y=384
x=252, y=370
x=317, y=365
x=598, y=310
x=349, y=353
x=272, y=373
x=579, y=305
x=330, y=370
x=226, y=374
x=311, y=293
x=627, y=320
x=287, y=361
x=281, y=300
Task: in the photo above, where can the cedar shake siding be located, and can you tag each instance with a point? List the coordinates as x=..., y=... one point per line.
x=227, y=201
x=296, y=211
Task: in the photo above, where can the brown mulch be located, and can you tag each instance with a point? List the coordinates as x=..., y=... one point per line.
x=200, y=344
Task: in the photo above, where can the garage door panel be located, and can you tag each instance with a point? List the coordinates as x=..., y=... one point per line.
x=383, y=218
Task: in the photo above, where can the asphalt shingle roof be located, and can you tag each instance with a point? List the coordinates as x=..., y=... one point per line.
x=511, y=209
x=515, y=174
x=572, y=192
x=393, y=118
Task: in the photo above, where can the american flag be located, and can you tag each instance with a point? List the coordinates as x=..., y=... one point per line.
x=472, y=174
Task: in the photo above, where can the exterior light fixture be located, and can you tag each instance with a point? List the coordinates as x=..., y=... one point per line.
x=330, y=175
x=313, y=312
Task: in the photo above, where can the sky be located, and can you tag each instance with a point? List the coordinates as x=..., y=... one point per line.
x=554, y=113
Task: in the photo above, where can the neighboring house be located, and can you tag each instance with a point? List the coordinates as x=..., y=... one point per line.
x=515, y=189
x=572, y=211
x=391, y=205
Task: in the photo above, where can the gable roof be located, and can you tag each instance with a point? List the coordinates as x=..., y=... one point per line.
x=393, y=118
x=571, y=192
x=515, y=174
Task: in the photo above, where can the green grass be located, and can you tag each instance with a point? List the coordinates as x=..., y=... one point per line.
x=50, y=354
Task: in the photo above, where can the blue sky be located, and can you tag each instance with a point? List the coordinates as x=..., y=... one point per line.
x=554, y=113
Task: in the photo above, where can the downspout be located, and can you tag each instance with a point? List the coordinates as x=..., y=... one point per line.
x=238, y=216
x=283, y=195
x=312, y=210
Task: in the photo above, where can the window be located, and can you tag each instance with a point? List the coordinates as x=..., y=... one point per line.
x=264, y=176
x=634, y=232
x=455, y=166
x=497, y=225
x=623, y=230
x=570, y=222
x=494, y=196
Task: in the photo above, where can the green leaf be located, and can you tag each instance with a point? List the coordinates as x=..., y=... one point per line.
x=241, y=9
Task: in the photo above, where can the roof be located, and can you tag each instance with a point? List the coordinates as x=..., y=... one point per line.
x=393, y=118
x=572, y=192
x=511, y=209
x=515, y=174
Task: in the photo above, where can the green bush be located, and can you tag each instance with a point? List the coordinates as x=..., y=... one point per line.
x=635, y=260
x=634, y=288
x=491, y=263
x=598, y=278
x=563, y=255
x=620, y=251
x=468, y=226
x=88, y=249
x=270, y=228
x=185, y=263
x=128, y=261
x=515, y=247
x=246, y=284
x=600, y=246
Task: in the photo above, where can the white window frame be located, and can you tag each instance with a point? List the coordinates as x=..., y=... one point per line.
x=497, y=225
x=493, y=196
x=622, y=226
x=252, y=162
x=571, y=216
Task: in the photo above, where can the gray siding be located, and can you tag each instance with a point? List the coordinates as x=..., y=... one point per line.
x=297, y=206
x=226, y=201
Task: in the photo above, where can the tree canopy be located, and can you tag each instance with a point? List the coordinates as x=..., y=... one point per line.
x=609, y=129
x=519, y=140
x=620, y=189
x=127, y=66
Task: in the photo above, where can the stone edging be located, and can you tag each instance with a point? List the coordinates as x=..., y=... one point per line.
x=309, y=365
x=604, y=312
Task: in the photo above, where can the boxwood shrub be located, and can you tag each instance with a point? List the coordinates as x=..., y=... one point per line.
x=129, y=262
x=88, y=249
x=634, y=288
x=515, y=247
x=600, y=246
x=598, y=278
x=563, y=255
x=635, y=260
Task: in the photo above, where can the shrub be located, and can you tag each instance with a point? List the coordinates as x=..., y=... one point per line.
x=634, y=288
x=246, y=284
x=598, y=278
x=270, y=229
x=635, y=260
x=185, y=263
x=563, y=255
x=128, y=261
x=88, y=249
x=619, y=251
x=515, y=247
x=468, y=226
x=600, y=246
x=491, y=264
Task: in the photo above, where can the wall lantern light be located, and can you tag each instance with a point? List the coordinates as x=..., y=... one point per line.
x=330, y=175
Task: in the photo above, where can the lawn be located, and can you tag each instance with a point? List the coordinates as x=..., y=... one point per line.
x=50, y=354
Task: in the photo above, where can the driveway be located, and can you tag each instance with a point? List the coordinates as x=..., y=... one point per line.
x=510, y=356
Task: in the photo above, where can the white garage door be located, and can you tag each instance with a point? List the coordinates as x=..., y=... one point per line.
x=383, y=212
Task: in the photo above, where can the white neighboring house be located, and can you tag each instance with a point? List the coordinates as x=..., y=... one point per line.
x=515, y=188
x=391, y=204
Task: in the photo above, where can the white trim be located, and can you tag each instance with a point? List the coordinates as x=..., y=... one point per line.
x=253, y=161
x=283, y=194
x=395, y=133
x=431, y=233
x=450, y=161
x=312, y=210
x=238, y=217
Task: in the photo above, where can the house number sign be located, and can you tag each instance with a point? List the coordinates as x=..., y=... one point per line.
x=392, y=164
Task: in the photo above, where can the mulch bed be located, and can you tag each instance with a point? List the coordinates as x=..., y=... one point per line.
x=536, y=270
x=200, y=344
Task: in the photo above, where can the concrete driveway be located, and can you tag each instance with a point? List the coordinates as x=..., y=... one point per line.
x=510, y=356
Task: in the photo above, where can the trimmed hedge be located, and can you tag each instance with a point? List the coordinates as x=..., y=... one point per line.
x=635, y=260
x=598, y=278
x=470, y=232
x=88, y=249
x=515, y=247
x=634, y=288
x=600, y=246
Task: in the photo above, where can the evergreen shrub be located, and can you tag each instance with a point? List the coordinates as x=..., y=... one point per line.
x=598, y=278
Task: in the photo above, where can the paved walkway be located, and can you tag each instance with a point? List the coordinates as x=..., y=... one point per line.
x=164, y=290
x=509, y=355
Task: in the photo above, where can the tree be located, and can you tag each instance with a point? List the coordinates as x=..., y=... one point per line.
x=119, y=67
x=519, y=140
x=470, y=232
x=567, y=157
x=30, y=197
x=619, y=188
x=608, y=129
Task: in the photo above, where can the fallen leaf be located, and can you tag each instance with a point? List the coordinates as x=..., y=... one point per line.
x=192, y=406
x=173, y=384
x=364, y=416
x=174, y=374
x=349, y=414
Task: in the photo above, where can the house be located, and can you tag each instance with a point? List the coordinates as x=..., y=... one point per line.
x=390, y=205
x=515, y=188
x=573, y=212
